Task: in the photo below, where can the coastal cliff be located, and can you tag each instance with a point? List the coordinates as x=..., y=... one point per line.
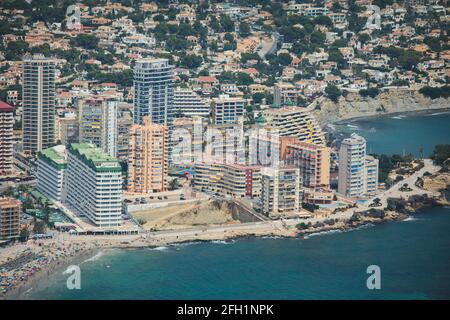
x=387, y=102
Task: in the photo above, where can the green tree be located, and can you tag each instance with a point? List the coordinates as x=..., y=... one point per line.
x=323, y=20
x=335, y=55
x=244, y=79
x=24, y=234
x=441, y=153
x=27, y=204
x=364, y=38
x=227, y=25
x=244, y=29
x=174, y=184
x=383, y=3
x=317, y=38
x=39, y=227
x=409, y=59
x=8, y=192
x=371, y=92
x=228, y=37
x=435, y=92
x=284, y=59
x=333, y=92
x=86, y=41
x=46, y=212
x=433, y=43
x=15, y=50
x=191, y=61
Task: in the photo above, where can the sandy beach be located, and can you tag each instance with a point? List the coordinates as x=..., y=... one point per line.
x=26, y=265
x=53, y=256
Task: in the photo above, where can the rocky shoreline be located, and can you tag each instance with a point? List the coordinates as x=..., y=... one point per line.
x=353, y=107
x=358, y=220
x=60, y=256
x=393, y=114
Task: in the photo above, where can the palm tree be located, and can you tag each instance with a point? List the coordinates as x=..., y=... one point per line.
x=8, y=192
x=46, y=211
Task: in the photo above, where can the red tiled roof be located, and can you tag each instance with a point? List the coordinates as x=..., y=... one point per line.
x=206, y=79
x=4, y=107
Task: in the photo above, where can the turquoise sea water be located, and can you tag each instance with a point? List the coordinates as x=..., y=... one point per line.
x=414, y=255
x=402, y=134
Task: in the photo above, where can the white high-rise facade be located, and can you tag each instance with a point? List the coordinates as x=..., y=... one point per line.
x=371, y=176
x=227, y=110
x=93, y=186
x=51, y=166
x=98, y=123
x=358, y=173
x=280, y=190
x=188, y=103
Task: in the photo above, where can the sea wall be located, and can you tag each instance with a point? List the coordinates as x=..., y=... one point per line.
x=396, y=100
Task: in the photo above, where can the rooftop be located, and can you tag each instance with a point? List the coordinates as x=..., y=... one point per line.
x=95, y=157
x=91, y=152
x=4, y=107
x=56, y=154
x=7, y=202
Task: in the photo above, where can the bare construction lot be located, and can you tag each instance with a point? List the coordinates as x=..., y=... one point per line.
x=207, y=213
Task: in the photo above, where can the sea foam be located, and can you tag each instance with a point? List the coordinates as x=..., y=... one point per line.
x=97, y=256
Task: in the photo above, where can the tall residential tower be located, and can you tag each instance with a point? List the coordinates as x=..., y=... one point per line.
x=358, y=173
x=153, y=91
x=6, y=138
x=148, y=158
x=93, y=184
x=38, y=102
x=98, y=123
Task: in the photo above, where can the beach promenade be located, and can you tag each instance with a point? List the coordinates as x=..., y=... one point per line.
x=24, y=263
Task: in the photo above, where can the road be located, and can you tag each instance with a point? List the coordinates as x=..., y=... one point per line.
x=283, y=226
x=393, y=192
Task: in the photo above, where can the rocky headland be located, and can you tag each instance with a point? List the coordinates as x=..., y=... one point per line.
x=397, y=100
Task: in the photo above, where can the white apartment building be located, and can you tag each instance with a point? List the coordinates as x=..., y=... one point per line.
x=224, y=143
x=226, y=110
x=98, y=123
x=285, y=94
x=187, y=140
x=188, y=103
x=280, y=190
x=358, y=173
x=234, y=180
x=371, y=175
x=153, y=91
x=93, y=186
x=294, y=122
x=6, y=138
x=229, y=88
x=51, y=166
